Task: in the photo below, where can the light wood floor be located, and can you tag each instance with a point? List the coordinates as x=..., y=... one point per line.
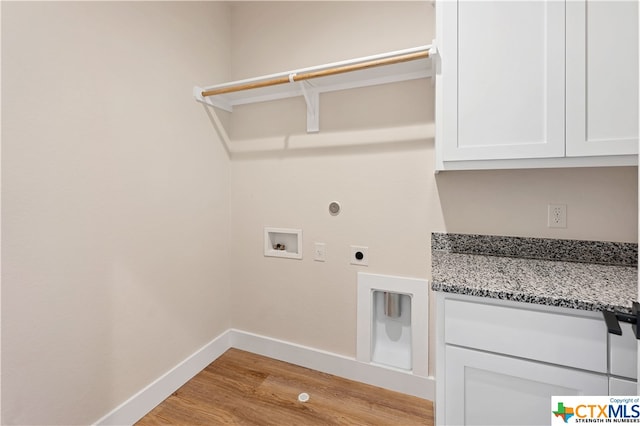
x=248, y=389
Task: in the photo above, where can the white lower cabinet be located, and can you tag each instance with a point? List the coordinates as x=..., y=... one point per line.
x=483, y=388
x=622, y=387
x=623, y=366
x=623, y=353
x=500, y=362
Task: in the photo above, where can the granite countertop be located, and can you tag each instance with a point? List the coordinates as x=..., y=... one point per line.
x=588, y=275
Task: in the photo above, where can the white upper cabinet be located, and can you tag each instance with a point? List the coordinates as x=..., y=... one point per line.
x=509, y=102
x=536, y=84
x=602, y=78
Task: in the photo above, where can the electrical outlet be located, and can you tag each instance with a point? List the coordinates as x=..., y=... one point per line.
x=557, y=216
x=360, y=255
x=319, y=252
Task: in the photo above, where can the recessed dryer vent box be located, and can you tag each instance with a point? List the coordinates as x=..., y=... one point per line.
x=281, y=242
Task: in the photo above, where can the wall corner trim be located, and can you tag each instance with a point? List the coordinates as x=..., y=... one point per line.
x=160, y=389
x=146, y=399
x=338, y=365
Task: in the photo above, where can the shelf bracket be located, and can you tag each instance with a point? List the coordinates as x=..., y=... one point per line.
x=433, y=54
x=312, y=99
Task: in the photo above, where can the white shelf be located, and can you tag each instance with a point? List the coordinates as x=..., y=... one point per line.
x=310, y=89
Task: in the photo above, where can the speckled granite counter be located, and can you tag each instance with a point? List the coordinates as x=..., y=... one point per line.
x=585, y=275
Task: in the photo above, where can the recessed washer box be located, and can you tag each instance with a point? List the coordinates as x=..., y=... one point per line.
x=283, y=242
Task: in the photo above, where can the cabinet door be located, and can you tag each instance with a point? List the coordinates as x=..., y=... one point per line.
x=602, y=77
x=622, y=387
x=487, y=389
x=502, y=73
x=623, y=353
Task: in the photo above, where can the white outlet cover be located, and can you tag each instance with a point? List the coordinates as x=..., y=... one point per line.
x=365, y=252
x=557, y=216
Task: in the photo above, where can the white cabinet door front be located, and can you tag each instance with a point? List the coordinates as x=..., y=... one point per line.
x=503, y=67
x=487, y=389
x=602, y=77
x=622, y=387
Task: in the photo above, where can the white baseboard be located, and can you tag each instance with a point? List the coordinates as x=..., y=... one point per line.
x=338, y=365
x=148, y=398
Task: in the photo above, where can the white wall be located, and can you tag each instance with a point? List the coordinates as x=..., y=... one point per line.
x=391, y=199
x=601, y=202
x=386, y=189
x=115, y=201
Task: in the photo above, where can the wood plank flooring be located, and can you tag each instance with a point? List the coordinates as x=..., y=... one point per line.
x=242, y=388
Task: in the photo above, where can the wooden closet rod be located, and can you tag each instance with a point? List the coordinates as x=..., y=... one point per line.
x=320, y=73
